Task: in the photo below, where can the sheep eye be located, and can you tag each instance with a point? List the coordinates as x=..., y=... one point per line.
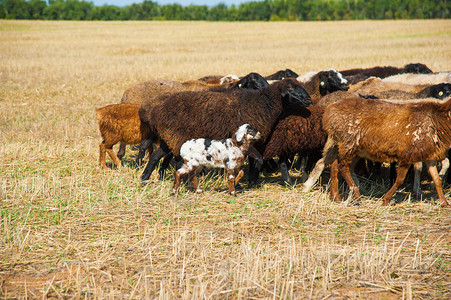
x=239, y=85
x=322, y=83
x=440, y=93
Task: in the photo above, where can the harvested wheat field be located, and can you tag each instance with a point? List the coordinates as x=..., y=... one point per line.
x=71, y=230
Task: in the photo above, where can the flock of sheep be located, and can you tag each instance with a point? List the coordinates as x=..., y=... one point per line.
x=341, y=119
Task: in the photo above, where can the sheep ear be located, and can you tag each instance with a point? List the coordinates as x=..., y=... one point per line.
x=240, y=134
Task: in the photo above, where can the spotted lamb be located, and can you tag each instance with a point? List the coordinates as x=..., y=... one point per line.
x=228, y=153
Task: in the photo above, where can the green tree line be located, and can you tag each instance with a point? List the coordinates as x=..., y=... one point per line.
x=267, y=10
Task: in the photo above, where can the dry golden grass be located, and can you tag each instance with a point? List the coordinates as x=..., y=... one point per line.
x=70, y=230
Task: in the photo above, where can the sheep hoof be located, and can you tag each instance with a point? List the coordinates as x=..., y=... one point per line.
x=233, y=193
x=289, y=183
x=199, y=191
x=174, y=191
x=445, y=205
x=305, y=189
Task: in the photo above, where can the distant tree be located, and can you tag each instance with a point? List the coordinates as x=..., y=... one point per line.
x=15, y=9
x=172, y=11
x=107, y=13
x=218, y=13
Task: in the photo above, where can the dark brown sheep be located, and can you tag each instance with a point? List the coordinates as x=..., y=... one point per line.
x=357, y=75
x=189, y=115
x=302, y=134
x=250, y=81
x=119, y=123
x=418, y=131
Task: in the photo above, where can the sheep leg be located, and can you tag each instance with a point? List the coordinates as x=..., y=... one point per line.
x=109, y=149
x=432, y=168
x=121, y=151
x=334, y=193
x=303, y=169
x=253, y=172
x=346, y=173
x=329, y=156
x=284, y=170
x=253, y=153
x=239, y=176
x=102, y=151
x=354, y=162
x=113, y=156
x=177, y=179
x=401, y=175
x=164, y=165
x=417, y=167
x=392, y=172
x=231, y=176
x=194, y=180
x=445, y=167
x=145, y=144
x=314, y=175
x=178, y=176
x=154, y=159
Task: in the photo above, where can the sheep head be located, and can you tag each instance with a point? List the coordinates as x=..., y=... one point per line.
x=252, y=81
x=247, y=133
x=440, y=91
x=416, y=68
x=331, y=81
x=282, y=74
x=293, y=93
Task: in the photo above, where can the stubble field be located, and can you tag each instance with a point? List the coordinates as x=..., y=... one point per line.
x=71, y=230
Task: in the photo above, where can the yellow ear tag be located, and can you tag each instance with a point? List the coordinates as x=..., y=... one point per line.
x=239, y=85
x=322, y=83
x=283, y=78
x=440, y=93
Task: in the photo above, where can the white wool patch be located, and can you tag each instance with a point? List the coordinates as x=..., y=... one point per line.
x=307, y=76
x=229, y=78
x=417, y=79
x=241, y=131
x=339, y=75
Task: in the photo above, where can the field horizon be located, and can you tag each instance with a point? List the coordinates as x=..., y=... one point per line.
x=71, y=230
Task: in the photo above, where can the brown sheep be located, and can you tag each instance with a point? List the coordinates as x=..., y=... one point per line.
x=418, y=131
x=119, y=123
